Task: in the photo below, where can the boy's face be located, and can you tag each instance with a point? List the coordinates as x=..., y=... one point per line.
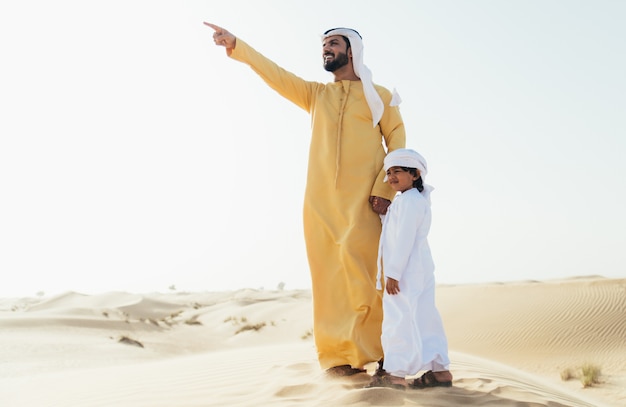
x=399, y=179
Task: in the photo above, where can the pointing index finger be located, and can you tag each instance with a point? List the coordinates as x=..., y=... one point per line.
x=214, y=27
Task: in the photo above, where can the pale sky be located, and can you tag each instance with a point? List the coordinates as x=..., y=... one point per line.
x=134, y=155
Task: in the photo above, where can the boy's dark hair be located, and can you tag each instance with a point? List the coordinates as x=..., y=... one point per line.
x=418, y=183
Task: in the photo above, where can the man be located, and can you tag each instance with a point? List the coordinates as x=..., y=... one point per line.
x=345, y=192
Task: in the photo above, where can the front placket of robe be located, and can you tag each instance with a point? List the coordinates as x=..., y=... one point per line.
x=346, y=93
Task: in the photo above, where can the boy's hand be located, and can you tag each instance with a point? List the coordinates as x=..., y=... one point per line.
x=379, y=205
x=392, y=286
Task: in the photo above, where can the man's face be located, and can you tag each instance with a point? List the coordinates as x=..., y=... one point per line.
x=335, y=53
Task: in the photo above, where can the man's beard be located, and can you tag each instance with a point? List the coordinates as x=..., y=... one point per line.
x=339, y=61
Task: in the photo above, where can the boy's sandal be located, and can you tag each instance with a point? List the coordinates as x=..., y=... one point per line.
x=428, y=379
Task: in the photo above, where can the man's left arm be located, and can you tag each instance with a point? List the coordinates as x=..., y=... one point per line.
x=392, y=128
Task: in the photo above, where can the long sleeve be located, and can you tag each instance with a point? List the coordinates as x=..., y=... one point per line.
x=287, y=84
x=407, y=213
x=392, y=129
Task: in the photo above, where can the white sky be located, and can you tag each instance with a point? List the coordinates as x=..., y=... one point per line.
x=135, y=155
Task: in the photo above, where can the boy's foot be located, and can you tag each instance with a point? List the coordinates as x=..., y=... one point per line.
x=432, y=379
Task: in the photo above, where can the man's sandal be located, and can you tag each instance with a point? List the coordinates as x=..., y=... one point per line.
x=343, y=370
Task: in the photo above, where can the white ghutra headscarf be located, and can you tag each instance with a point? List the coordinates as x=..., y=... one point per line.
x=372, y=97
x=405, y=157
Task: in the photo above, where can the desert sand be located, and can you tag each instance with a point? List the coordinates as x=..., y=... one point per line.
x=509, y=345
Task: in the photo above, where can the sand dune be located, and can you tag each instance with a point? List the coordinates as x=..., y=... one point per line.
x=544, y=327
x=509, y=343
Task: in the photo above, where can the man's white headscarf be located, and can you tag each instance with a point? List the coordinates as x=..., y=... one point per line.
x=405, y=157
x=356, y=43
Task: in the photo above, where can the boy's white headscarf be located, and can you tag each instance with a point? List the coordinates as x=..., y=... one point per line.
x=405, y=157
x=373, y=98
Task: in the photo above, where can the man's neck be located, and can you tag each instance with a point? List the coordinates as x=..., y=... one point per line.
x=345, y=73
